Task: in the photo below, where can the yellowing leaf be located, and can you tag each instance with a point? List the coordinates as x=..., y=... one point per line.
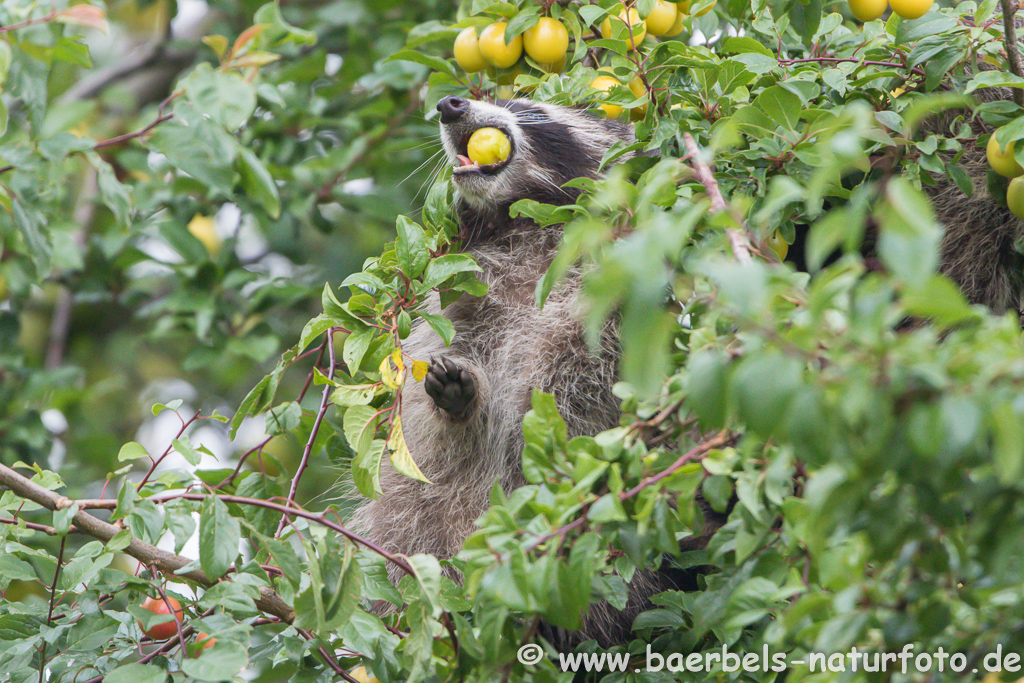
x=419, y=369
x=387, y=374
x=256, y=58
x=204, y=229
x=401, y=458
x=216, y=43
x=390, y=378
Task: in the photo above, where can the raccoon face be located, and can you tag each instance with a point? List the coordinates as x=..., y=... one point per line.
x=550, y=145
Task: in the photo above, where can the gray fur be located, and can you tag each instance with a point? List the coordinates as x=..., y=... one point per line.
x=507, y=344
x=978, y=246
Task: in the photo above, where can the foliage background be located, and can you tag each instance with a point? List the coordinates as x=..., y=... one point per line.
x=160, y=253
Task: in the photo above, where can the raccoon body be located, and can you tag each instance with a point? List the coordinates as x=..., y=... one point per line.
x=979, y=249
x=463, y=424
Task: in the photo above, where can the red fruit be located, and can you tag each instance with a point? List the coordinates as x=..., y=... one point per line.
x=167, y=629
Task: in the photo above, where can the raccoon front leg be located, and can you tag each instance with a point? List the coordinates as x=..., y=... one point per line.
x=451, y=386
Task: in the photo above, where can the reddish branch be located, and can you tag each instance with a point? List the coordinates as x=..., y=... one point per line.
x=695, y=453
x=152, y=468
x=49, y=614
x=161, y=117
x=325, y=402
x=170, y=610
x=48, y=530
x=29, y=22
x=741, y=247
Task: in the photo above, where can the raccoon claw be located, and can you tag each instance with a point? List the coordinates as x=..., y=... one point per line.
x=451, y=386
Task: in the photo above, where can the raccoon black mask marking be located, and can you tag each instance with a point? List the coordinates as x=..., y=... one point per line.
x=551, y=145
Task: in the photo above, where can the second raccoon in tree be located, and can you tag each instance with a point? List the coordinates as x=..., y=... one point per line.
x=463, y=424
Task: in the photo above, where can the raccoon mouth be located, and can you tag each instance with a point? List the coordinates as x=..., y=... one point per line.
x=466, y=166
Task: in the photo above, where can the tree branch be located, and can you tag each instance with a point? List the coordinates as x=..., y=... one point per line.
x=1010, y=39
x=169, y=563
x=741, y=247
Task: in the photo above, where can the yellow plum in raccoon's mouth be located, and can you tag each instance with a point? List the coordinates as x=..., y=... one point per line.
x=488, y=146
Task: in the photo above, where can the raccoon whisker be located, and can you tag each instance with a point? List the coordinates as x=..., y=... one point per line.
x=423, y=145
x=429, y=160
x=431, y=179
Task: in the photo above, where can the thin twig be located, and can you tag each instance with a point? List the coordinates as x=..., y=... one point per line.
x=325, y=402
x=331, y=662
x=694, y=453
x=49, y=614
x=1010, y=39
x=48, y=530
x=170, y=610
x=29, y=22
x=184, y=425
x=102, y=144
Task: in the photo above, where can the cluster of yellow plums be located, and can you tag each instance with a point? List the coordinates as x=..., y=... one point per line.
x=869, y=10
x=1001, y=160
x=546, y=42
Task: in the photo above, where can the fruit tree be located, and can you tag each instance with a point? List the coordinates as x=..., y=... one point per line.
x=219, y=221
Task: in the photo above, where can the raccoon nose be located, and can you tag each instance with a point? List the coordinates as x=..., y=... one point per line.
x=452, y=108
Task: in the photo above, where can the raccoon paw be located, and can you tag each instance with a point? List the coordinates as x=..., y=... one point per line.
x=451, y=386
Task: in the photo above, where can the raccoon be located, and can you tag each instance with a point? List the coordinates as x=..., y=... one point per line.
x=463, y=424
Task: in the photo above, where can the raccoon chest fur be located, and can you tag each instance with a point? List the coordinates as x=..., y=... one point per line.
x=510, y=348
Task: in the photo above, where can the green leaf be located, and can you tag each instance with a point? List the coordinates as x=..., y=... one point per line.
x=131, y=451
x=356, y=346
x=283, y=418
x=257, y=400
x=258, y=183
x=443, y=267
x=225, y=96
x=434, y=63
x=200, y=149
x=359, y=426
x=185, y=448
x=930, y=24
x=764, y=385
x=366, y=469
x=136, y=673
x=222, y=662
x=411, y=247
x=219, y=536
x=442, y=325
x=941, y=301
x=279, y=31
x=781, y=106
x=909, y=240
